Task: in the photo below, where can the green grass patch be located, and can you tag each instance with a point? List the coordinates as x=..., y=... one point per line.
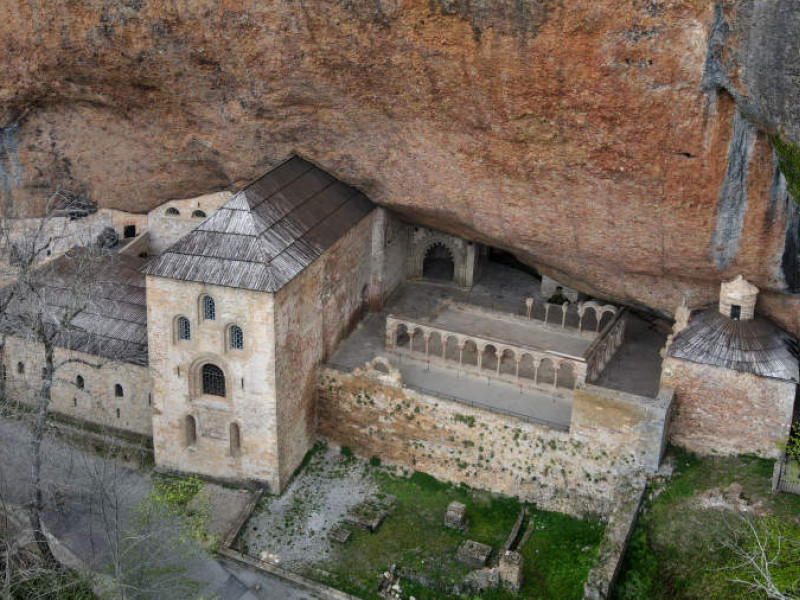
x=175, y=491
x=680, y=549
x=557, y=556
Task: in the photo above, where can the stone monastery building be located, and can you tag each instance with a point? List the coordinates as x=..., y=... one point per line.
x=234, y=330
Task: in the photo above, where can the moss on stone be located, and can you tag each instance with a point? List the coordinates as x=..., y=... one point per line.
x=789, y=162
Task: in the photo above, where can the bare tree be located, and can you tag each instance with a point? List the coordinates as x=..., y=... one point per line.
x=765, y=555
x=149, y=542
x=42, y=306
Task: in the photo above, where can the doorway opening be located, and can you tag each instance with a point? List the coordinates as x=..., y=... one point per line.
x=438, y=264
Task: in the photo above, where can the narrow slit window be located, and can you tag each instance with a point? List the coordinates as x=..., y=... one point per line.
x=209, y=308
x=235, y=440
x=118, y=391
x=190, y=431
x=79, y=383
x=184, y=329
x=236, y=337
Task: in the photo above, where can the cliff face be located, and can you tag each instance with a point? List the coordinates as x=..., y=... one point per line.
x=618, y=145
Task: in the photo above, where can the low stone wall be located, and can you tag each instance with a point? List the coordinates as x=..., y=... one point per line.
x=603, y=575
x=611, y=440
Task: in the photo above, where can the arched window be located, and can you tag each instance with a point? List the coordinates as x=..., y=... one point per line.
x=190, y=427
x=235, y=440
x=20, y=367
x=118, y=391
x=184, y=329
x=79, y=383
x=172, y=212
x=236, y=336
x=199, y=214
x=209, y=310
x=213, y=380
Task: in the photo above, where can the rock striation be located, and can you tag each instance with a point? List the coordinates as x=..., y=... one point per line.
x=620, y=146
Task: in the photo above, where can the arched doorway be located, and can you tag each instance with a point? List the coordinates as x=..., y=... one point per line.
x=438, y=263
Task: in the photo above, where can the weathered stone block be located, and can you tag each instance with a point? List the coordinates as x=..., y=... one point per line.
x=510, y=568
x=370, y=514
x=456, y=516
x=473, y=554
x=339, y=534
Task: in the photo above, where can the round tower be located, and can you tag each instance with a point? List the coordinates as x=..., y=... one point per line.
x=737, y=299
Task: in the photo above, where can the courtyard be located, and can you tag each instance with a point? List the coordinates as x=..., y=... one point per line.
x=302, y=530
x=494, y=310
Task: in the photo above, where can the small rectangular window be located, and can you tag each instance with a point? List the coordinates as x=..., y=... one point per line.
x=736, y=312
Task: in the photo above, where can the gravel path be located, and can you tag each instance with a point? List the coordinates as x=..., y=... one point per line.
x=294, y=527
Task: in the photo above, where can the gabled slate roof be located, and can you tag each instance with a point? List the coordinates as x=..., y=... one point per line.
x=754, y=346
x=107, y=288
x=269, y=232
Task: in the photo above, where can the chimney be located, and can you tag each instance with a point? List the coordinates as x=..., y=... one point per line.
x=737, y=299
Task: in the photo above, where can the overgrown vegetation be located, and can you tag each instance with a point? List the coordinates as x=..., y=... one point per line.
x=789, y=161
x=164, y=536
x=689, y=540
x=793, y=445
x=558, y=554
x=67, y=586
x=176, y=492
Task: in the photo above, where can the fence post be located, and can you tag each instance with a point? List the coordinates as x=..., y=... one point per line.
x=776, y=475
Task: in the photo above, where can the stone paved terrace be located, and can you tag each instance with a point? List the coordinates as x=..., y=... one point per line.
x=366, y=342
x=635, y=368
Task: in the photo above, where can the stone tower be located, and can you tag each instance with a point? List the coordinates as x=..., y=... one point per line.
x=241, y=310
x=737, y=299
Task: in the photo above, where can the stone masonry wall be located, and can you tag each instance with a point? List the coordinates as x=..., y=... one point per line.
x=249, y=381
x=96, y=403
x=312, y=314
x=389, y=255
x=578, y=471
x=165, y=230
x=728, y=412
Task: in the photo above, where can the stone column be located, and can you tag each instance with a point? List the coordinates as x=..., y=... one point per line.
x=469, y=266
x=378, y=261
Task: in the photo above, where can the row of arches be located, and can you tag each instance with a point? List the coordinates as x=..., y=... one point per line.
x=486, y=357
x=605, y=351
x=584, y=316
x=234, y=436
x=174, y=212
